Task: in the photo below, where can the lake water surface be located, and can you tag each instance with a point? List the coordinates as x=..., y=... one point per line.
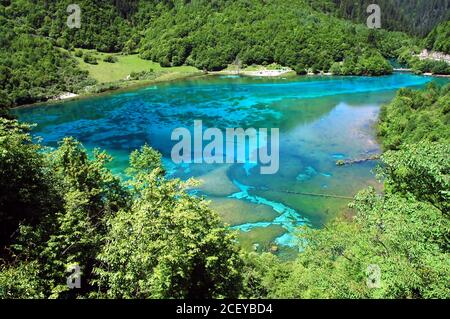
x=321, y=120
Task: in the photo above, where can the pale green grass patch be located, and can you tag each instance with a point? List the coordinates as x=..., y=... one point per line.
x=105, y=72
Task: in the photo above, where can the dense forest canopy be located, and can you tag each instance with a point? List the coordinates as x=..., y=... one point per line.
x=289, y=33
x=417, y=17
x=206, y=34
x=144, y=238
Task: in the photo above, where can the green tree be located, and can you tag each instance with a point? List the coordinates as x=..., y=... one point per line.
x=28, y=195
x=414, y=116
x=168, y=245
x=21, y=282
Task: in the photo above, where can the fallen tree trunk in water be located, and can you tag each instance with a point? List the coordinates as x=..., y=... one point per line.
x=313, y=194
x=358, y=160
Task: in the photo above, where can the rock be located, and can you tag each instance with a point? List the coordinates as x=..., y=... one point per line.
x=340, y=163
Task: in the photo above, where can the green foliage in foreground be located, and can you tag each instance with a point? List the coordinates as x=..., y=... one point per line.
x=404, y=232
x=416, y=17
x=148, y=238
x=416, y=115
x=145, y=238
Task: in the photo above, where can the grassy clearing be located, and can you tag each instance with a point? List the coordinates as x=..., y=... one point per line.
x=105, y=72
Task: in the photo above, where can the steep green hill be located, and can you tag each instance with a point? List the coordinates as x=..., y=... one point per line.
x=424, y=15
x=210, y=35
x=417, y=17
x=302, y=34
x=415, y=116
x=439, y=38
x=31, y=68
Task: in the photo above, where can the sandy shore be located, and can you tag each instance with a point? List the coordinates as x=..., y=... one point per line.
x=437, y=75
x=65, y=96
x=261, y=73
x=433, y=55
x=266, y=73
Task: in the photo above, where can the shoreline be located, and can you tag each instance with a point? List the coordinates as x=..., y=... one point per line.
x=131, y=85
x=135, y=84
x=436, y=75
x=255, y=73
x=64, y=96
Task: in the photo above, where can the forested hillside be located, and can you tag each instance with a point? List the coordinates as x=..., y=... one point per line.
x=417, y=17
x=207, y=35
x=31, y=68
x=302, y=34
x=144, y=238
x=210, y=35
x=439, y=38
x=416, y=116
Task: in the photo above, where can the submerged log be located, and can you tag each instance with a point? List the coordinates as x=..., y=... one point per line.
x=313, y=194
x=358, y=160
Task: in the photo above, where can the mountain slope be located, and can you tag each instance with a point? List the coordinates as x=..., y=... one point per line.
x=209, y=35
x=417, y=17
x=202, y=33
x=31, y=68
x=439, y=38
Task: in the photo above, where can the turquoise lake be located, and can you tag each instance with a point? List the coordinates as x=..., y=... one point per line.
x=321, y=120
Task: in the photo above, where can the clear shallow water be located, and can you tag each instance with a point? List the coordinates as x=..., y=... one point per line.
x=320, y=119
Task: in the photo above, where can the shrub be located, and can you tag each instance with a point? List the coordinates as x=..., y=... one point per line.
x=440, y=67
x=90, y=58
x=78, y=53
x=111, y=59
x=300, y=69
